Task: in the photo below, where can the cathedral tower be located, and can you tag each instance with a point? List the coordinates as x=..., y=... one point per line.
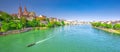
x=20, y=12
x=25, y=12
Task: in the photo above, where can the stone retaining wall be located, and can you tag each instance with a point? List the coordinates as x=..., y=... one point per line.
x=16, y=31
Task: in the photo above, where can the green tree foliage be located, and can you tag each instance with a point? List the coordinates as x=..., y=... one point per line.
x=63, y=23
x=29, y=24
x=33, y=23
x=47, y=19
x=36, y=23
x=19, y=25
x=23, y=21
x=116, y=26
x=103, y=25
x=5, y=26
x=5, y=17
x=96, y=24
x=42, y=25
x=13, y=25
x=15, y=18
x=109, y=26
x=50, y=25
x=57, y=23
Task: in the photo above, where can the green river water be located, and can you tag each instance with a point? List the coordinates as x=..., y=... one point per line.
x=74, y=38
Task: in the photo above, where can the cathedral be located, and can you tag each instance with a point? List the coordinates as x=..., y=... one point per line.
x=25, y=13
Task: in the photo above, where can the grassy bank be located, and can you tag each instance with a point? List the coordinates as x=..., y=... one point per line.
x=107, y=26
x=109, y=30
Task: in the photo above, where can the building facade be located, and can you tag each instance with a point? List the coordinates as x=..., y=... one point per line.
x=28, y=15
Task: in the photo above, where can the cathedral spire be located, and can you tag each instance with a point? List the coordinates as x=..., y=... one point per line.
x=25, y=9
x=20, y=11
x=25, y=12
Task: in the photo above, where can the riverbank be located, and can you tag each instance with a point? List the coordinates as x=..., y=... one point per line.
x=22, y=30
x=109, y=30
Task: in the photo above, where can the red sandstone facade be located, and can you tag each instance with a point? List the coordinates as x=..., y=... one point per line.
x=25, y=13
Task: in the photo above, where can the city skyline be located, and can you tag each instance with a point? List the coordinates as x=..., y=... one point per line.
x=67, y=9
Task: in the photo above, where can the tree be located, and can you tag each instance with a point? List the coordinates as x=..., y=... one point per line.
x=13, y=25
x=19, y=24
x=5, y=26
x=29, y=24
x=47, y=19
x=96, y=24
x=116, y=26
x=36, y=23
x=33, y=23
x=5, y=17
x=103, y=25
x=57, y=23
x=109, y=26
x=50, y=25
x=63, y=23
x=23, y=21
x=42, y=25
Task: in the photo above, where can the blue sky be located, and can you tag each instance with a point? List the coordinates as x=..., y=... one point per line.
x=68, y=9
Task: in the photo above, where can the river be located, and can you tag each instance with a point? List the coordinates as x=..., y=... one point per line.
x=74, y=38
